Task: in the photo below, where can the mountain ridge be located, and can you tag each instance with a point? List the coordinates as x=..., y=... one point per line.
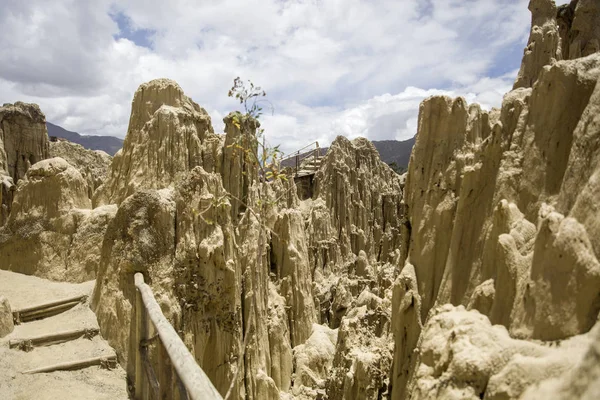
x=109, y=144
x=390, y=151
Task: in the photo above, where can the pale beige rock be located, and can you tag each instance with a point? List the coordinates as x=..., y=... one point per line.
x=228, y=256
x=430, y=190
x=503, y=219
x=483, y=297
x=183, y=241
x=240, y=163
x=140, y=238
x=543, y=42
x=6, y=317
x=23, y=136
x=562, y=295
x=364, y=350
x=92, y=164
x=279, y=341
x=163, y=142
x=51, y=231
x=580, y=382
x=406, y=327
x=23, y=142
x=568, y=32
x=289, y=253
x=208, y=278
x=314, y=359
x=584, y=33
x=52, y=188
x=362, y=195
x=462, y=356
x=264, y=307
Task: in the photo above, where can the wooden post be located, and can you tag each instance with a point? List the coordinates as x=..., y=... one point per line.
x=164, y=372
x=181, y=387
x=195, y=381
x=139, y=373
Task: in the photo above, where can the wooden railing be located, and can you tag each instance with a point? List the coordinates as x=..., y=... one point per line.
x=310, y=150
x=191, y=381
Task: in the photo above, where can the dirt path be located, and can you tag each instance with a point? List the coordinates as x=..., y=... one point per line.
x=92, y=383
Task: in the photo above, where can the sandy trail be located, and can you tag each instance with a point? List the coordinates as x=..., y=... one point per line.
x=88, y=384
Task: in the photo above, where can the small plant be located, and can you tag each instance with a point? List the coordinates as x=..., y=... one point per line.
x=252, y=97
x=268, y=163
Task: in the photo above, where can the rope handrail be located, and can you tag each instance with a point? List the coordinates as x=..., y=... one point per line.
x=197, y=384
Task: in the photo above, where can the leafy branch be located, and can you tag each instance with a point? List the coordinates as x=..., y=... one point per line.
x=251, y=97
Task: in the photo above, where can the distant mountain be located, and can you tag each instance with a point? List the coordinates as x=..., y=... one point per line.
x=109, y=144
x=390, y=151
x=395, y=151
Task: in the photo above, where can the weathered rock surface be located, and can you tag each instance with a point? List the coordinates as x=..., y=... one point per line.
x=544, y=42
x=140, y=238
x=24, y=137
x=242, y=268
x=364, y=350
x=565, y=33
x=52, y=231
x=240, y=165
x=474, y=275
x=580, y=382
x=164, y=141
x=6, y=317
x=462, y=356
x=313, y=359
x=362, y=196
x=23, y=142
x=92, y=164
x=501, y=220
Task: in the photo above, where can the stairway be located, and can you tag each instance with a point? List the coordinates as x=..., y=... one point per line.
x=309, y=166
x=66, y=334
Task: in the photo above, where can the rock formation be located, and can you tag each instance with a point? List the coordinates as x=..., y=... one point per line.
x=164, y=141
x=239, y=155
x=565, y=33
x=51, y=231
x=474, y=275
x=501, y=221
x=462, y=356
x=23, y=142
x=244, y=269
x=6, y=317
x=92, y=164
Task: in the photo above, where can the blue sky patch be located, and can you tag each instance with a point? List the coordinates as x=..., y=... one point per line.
x=141, y=37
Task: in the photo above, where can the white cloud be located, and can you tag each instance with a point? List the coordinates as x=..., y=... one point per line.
x=330, y=67
x=382, y=117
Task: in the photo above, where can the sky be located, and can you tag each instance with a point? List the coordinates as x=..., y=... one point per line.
x=329, y=67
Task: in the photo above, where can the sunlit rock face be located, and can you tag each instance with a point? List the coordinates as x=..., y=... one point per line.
x=49, y=228
x=51, y=231
x=92, y=164
x=559, y=33
x=252, y=277
x=23, y=142
x=502, y=222
x=164, y=142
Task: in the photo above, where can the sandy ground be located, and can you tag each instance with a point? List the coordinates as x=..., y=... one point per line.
x=88, y=384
